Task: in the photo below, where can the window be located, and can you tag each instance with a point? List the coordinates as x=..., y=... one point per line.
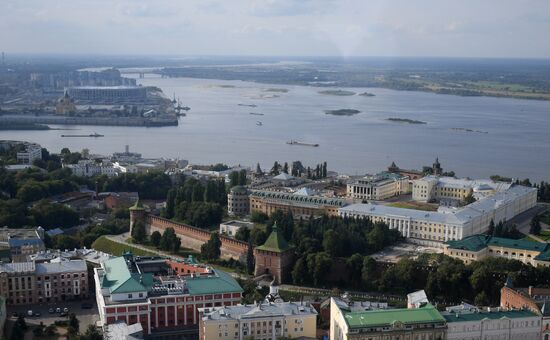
x=129, y=296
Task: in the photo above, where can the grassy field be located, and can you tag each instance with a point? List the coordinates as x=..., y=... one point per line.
x=414, y=205
x=545, y=235
x=545, y=218
x=107, y=246
x=183, y=252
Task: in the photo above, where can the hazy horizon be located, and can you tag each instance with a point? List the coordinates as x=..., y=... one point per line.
x=278, y=28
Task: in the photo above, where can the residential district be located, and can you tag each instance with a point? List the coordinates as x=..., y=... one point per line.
x=124, y=247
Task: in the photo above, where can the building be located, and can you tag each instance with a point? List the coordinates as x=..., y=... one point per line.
x=536, y=300
x=107, y=94
x=230, y=228
x=378, y=187
x=115, y=200
x=424, y=322
x=291, y=320
x=22, y=242
x=121, y=331
x=3, y=316
x=31, y=153
x=473, y=323
x=410, y=174
x=301, y=206
x=90, y=168
x=65, y=105
x=478, y=247
x=448, y=189
x=162, y=295
x=275, y=257
x=433, y=228
x=56, y=281
x=238, y=201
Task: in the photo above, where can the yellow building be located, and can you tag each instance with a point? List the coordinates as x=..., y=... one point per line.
x=378, y=187
x=300, y=205
x=446, y=189
x=478, y=247
x=265, y=321
x=65, y=105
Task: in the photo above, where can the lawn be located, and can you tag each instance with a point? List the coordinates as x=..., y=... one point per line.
x=545, y=235
x=414, y=205
x=111, y=247
x=183, y=252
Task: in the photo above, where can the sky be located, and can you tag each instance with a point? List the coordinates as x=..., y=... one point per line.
x=447, y=28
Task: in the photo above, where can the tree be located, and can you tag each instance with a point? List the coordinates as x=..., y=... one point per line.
x=285, y=168
x=242, y=177
x=50, y=330
x=300, y=273
x=170, y=203
x=469, y=199
x=481, y=299
x=74, y=322
x=91, y=333
x=324, y=170
x=243, y=234
x=491, y=229
x=250, y=262
x=234, y=179
x=169, y=240
x=534, y=227
x=354, y=265
x=155, y=238
x=211, y=249
x=275, y=170
x=368, y=272
x=258, y=217
x=138, y=232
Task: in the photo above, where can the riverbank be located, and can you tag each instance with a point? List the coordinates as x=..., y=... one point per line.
x=22, y=120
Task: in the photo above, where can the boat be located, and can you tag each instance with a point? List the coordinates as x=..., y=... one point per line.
x=259, y=123
x=294, y=142
x=95, y=134
x=249, y=105
x=256, y=114
x=179, y=109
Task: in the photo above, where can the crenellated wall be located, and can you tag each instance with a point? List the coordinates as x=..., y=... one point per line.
x=194, y=238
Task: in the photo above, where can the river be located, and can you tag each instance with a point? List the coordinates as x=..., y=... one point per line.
x=511, y=137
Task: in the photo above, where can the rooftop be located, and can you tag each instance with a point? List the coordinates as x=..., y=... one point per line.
x=261, y=310
x=386, y=317
x=301, y=200
x=479, y=242
x=478, y=315
x=275, y=242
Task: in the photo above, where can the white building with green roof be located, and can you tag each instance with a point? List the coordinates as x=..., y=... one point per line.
x=473, y=323
x=161, y=294
x=424, y=322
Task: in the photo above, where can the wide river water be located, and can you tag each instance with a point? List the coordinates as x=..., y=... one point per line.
x=511, y=137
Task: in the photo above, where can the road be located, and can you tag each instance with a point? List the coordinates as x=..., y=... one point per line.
x=523, y=220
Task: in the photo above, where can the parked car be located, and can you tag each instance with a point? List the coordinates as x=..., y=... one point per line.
x=51, y=311
x=58, y=310
x=63, y=314
x=14, y=314
x=36, y=314
x=29, y=313
x=65, y=310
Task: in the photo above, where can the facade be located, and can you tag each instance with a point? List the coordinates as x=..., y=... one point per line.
x=230, y=228
x=160, y=294
x=378, y=187
x=434, y=228
x=22, y=242
x=29, y=282
x=275, y=257
x=386, y=324
x=447, y=189
x=107, y=94
x=410, y=174
x=238, y=201
x=477, y=247
x=272, y=321
x=32, y=152
x=472, y=323
x=89, y=168
x=65, y=105
x=301, y=206
x=536, y=300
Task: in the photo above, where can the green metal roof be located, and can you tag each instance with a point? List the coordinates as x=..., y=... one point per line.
x=517, y=244
x=478, y=242
x=387, y=317
x=470, y=243
x=119, y=279
x=137, y=206
x=477, y=316
x=275, y=242
x=222, y=283
x=544, y=256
